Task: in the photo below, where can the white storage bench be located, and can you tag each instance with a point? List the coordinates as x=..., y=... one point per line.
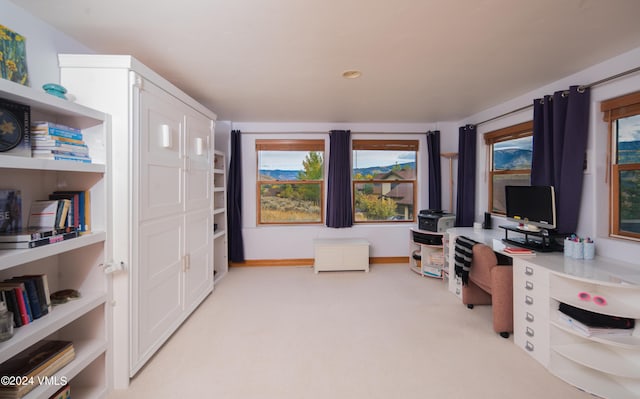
x=341, y=254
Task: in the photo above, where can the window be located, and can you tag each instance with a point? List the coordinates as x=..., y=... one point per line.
x=509, y=153
x=623, y=116
x=384, y=180
x=290, y=183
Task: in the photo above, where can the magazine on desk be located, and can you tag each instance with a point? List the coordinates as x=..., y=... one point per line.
x=519, y=251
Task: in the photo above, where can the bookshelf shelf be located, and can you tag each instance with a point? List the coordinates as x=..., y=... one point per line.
x=85, y=353
x=13, y=162
x=13, y=257
x=59, y=317
x=70, y=264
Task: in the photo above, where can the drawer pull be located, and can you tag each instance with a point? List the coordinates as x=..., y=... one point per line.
x=529, y=317
x=528, y=271
x=530, y=332
x=528, y=285
x=529, y=346
x=528, y=300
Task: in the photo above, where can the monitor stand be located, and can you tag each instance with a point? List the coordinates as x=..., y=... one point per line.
x=541, y=240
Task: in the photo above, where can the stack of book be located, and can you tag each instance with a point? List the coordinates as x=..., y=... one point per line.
x=50, y=221
x=35, y=366
x=27, y=298
x=54, y=141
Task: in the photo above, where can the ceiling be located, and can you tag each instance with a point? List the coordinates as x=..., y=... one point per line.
x=421, y=60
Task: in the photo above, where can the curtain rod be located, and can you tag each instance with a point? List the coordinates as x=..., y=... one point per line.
x=327, y=132
x=596, y=83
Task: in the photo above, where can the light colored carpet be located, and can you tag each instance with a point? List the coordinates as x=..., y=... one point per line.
x=285, y=332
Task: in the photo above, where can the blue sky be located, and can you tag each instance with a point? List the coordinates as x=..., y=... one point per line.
x=629, y=128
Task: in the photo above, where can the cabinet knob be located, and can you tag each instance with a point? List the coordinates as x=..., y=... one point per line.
x=530, y=332
x=528, y=285
x=528, y=271
x=528, y=300
x=529, y=346
x=529, y=317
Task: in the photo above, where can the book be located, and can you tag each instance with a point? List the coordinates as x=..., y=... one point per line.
x=59, y=148
x=10, y=211
x=40, y=242
x=12, y=305
x=15, y=118
x=56, y=129
x=84, y=208
x=22, y=299
x=28, y=234
x=35, y=288
x=43, y=138
x=74, y=207
x=61, y=213
x=42, y=283
x=22, y=306
x=42, y=359
x=518, y=251
x=43, y=214
x=57, y=157
x=32, y=295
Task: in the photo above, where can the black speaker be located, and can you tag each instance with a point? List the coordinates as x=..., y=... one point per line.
x=487, y=221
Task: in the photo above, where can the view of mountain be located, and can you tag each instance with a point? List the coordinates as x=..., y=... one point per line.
x=512, y=158
x=506, y=158
x=629, y=151
x=279, y=174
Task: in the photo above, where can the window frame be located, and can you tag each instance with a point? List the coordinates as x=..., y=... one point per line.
x=614, y=109
x=521, y=130
x=310, y=145
x=385, y=145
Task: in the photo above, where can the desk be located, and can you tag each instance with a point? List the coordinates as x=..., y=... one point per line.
x=606, y=366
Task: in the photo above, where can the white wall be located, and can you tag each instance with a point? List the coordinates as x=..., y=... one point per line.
x=43, y=43
x=594, y=217
x=287, y=242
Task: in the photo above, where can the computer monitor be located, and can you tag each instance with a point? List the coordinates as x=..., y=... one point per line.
x=533, y=207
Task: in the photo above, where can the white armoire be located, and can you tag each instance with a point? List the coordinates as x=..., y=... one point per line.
x=162, y=200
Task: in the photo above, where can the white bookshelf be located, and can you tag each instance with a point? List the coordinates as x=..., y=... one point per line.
x=76, y=263
x=220, y=251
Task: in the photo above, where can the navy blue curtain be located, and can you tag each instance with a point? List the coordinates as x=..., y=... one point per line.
x=560, y=133
x=466, y=196
x=339, y=212
x=234, y=200
x=435, y=175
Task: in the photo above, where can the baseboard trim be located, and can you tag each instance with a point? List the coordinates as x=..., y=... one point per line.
x=309, y=261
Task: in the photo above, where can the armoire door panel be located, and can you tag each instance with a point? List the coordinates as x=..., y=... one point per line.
x=161, y=153
x=161, y=185
x=198, y=151
x=199, y=248
x=159, y=282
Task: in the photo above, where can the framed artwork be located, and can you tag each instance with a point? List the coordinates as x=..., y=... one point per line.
x=13, y=56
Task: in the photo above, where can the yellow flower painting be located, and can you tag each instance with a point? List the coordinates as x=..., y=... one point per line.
x=13, y=56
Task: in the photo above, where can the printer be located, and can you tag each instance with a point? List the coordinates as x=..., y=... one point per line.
x=435, y=220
